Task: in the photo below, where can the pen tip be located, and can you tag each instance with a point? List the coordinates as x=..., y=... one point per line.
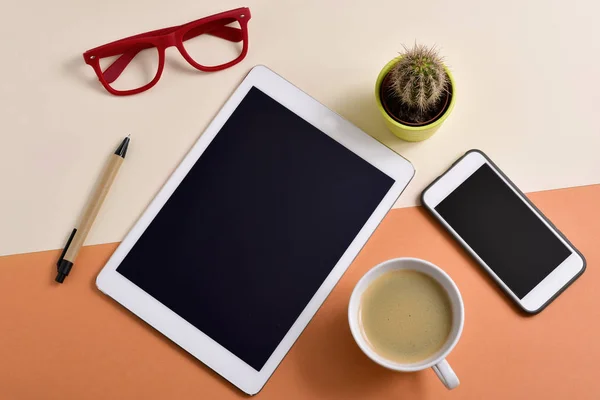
x=129, y=136
x=122, y=149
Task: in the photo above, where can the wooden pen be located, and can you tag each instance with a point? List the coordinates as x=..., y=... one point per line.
x=69, y=254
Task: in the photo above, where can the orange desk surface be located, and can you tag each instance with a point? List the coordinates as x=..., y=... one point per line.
x=72, y=342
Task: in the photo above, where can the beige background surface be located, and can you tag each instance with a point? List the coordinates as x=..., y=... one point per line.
x=527, y=76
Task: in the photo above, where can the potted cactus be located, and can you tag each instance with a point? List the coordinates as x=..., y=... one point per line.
x=415, y=93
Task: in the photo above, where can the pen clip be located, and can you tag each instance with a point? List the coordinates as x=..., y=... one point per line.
x=66, y=247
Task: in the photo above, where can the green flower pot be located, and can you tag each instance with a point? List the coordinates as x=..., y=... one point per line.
x=408, y=132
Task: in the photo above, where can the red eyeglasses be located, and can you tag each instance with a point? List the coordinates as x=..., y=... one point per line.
x=134, y=64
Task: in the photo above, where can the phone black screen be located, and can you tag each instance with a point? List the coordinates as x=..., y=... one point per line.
x=503, y=231
x=255, y=227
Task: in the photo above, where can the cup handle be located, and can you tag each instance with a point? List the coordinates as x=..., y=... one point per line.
x=446, y=374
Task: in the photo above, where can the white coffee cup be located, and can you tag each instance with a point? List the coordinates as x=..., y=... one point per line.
x=437, y=361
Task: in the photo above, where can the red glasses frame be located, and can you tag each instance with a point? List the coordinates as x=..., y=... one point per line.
x=162, y=39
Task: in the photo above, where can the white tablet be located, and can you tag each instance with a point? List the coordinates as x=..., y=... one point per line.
x=252, y=231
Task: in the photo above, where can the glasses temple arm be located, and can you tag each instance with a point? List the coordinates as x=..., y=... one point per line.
x=118, y=66
x=228, y=33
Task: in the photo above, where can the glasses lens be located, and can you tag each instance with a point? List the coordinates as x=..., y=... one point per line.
x=215, y=43
x=132, y=69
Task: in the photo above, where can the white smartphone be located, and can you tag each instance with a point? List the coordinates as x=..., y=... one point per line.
x=510, y=238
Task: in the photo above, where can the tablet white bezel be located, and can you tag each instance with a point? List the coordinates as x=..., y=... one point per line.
x=182, y=332
x=553, y=283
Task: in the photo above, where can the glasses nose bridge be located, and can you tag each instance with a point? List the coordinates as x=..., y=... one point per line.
x=169, y=40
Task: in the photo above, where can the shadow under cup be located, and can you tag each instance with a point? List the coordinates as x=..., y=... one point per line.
x=416, y=265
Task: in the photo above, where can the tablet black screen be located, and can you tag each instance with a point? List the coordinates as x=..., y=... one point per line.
x=255, y=227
